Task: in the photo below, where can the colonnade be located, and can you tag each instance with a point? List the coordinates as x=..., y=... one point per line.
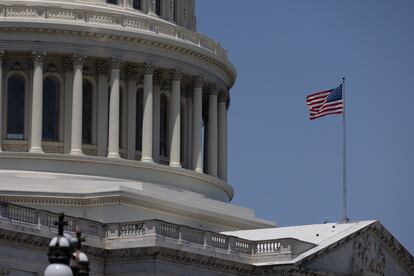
x=216, y=143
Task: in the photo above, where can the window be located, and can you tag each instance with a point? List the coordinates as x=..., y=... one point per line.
x=139, y=118
x=158, y=7
x=115, y=2
x=50, y=115
x=163, y=125
x=136, y=4
x=15, y=108
x=87, y=113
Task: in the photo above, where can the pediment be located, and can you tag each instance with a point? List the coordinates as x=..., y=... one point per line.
x=371, y=253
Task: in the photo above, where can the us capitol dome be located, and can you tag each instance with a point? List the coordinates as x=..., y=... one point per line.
x=115, y=113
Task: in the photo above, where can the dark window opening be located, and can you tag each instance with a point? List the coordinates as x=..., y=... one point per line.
x=87, y=113
x=139, y=118
x=50, y=117
x=115, y=2
x=158, y=7
x=15, y=108
x=136, y=4
x=164, y=126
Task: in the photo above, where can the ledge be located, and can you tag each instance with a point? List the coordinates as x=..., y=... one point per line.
x=176, y=178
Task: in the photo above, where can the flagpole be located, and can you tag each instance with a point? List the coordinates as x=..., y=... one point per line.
x=344, y=190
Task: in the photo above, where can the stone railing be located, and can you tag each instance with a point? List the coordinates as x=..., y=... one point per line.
x=256, y=251
x=111, y=18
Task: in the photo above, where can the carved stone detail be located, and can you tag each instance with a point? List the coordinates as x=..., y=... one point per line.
x=116, y=63
x=68, y=64
x=102, y=67
x=38, y=56
x=198, y=82
x=78, y=59
x=368, y=257
x=149, y=68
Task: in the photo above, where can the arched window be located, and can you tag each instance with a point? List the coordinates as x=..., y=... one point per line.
x=15, y=107
x=136, y=4
x=158, y=7
x=87, y=113
x=139, y=117
x=164, y=126
x=50, y=115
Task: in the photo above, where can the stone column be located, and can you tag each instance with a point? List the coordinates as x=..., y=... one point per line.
x=37, y=104
x=156, y=114
x=1, y=98
x=132, y=110
x=222, y=137
x=113, y=141
x=197, y=125
x=102, y=143
x=175, y=148
x=77, y=93
x=190, y=130
x=212, y=133
x=148, y=124
x=68, y=67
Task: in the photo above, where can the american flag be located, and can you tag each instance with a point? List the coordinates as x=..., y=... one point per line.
x=325, y=103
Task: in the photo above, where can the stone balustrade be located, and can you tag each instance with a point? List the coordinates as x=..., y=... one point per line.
x=167, y=234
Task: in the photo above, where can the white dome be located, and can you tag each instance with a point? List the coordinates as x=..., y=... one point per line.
x=58, y=270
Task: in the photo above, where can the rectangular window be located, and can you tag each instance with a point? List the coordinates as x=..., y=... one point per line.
x=136, y=4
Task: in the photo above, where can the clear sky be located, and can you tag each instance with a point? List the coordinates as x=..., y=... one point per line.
x=288, y=168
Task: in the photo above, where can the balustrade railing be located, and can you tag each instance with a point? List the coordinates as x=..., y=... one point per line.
x=173, y=232
x=104, y=17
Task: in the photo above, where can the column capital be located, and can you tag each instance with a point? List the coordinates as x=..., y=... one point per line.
x=176, y=75
x=223, y=97
x=78, y=59
x=213, y=90
x=38, y=56
x=149, y=68
x=102, y=67
x=198, y=82
x=116, y=63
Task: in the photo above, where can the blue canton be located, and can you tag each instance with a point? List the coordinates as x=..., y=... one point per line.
x=335, y=95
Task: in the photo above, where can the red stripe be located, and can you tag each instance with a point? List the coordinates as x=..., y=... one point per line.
x=320, y=92
x=326, y=110
x=316, y=102
x=325, y=105
x=317, y=97
x=319, y=116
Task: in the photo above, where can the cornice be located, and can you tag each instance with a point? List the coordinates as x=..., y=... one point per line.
x=101, y=23
x=93, y=201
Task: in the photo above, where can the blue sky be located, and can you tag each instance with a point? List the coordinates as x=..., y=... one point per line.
x=288, y=168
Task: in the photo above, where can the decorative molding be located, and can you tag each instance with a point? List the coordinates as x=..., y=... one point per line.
x=176, y=75
x=68, y=64
x=38, y=57
x=102, y=67
x=116, y=63
x=198, y=82
x=78, y=59
x=207, y=50
x=149, y=68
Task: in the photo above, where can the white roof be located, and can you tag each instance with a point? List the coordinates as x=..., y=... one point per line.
x=322, y=235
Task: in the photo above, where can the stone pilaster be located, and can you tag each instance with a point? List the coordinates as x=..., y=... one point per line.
x=102, y=68
x=2, y=57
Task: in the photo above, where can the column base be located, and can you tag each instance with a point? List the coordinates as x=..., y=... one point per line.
x=147, y=160
x=199, y=171
x=114, y=155
x=175, y=165
x=36, y=150
x=76, y=152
